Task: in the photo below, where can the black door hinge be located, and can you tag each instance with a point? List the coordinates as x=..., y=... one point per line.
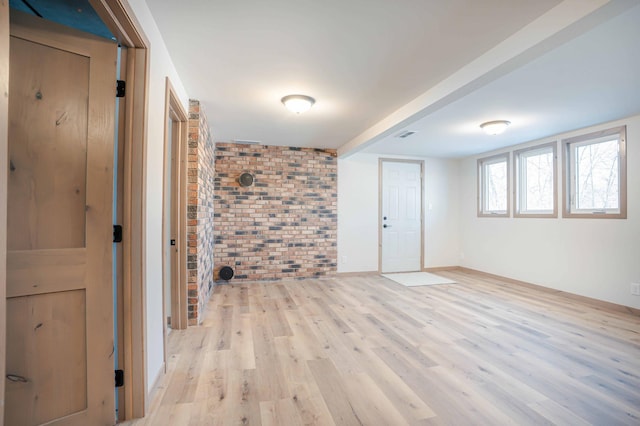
x=117, y=233
x=119, y=378
x=120, y=88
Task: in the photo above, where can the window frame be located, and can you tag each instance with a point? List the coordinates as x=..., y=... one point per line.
x=568, y=171
x=482, y=162
x=517, y=181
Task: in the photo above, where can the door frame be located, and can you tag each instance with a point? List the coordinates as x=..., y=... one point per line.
x=175, y=112
x=382, y=160
x=120, y=19
x=4, y=143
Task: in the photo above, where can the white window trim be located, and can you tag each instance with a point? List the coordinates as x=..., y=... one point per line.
x=517, y=179
x=481, y=163
x=567, y=182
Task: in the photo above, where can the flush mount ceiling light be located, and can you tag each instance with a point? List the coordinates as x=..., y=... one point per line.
x=298, y=103
x=495, y=127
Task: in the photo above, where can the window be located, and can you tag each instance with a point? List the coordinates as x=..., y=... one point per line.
x=595, y=177
x=493, y=186
x=536, y=182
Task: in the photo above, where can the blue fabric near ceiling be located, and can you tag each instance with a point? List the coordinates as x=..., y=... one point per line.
x=77, y=14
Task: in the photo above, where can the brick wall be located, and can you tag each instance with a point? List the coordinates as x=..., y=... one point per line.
x=200, y=185
x=285, y=224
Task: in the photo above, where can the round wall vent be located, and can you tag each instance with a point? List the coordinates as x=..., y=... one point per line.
x=226, y=273
x=246, y=179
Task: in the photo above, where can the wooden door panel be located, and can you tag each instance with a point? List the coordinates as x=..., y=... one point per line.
x=38, y=323
x=48, y=147
x=44, y=271
x=59, y=258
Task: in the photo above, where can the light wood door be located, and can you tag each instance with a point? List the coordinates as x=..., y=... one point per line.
x=175, y=304
x=169, y=240
x=401, y=216
x=59, y=262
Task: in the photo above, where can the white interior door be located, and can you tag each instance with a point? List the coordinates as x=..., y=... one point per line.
x=400, y=219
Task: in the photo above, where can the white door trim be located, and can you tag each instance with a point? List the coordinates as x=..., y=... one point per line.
x=380, y=184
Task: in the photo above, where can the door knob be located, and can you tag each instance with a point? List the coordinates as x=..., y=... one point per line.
x=384, y=218
x=386, y=226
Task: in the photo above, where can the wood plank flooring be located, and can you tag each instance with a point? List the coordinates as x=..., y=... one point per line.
x=368, y=351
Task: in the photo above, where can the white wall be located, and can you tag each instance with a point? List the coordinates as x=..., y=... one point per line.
x=358, y=213
x=442, y=239
x=597, y=258
x=161, y=66
x=358, y=194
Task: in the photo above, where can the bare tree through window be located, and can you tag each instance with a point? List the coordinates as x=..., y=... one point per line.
x=535, y=179
x=595, y=178
x=597, y=175
x=493, y=185
x=496, y=186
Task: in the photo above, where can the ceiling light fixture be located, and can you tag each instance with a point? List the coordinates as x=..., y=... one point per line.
x=495, y=127
x=298, y=103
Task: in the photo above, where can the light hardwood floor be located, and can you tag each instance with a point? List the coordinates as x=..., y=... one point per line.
x=367, y=351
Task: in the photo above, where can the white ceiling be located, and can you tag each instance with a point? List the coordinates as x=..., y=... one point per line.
x=376, y=67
